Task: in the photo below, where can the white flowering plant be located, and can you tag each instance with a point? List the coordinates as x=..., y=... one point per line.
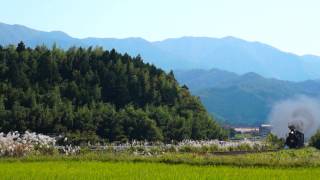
x=187, y=146
x=16, y=144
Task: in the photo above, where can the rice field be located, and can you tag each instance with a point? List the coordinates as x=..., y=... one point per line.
x=130, y=170
x=284, y=164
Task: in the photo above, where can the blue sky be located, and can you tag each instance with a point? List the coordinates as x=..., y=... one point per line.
x=291, y=25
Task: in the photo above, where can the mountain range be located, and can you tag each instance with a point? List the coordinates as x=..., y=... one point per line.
x=229, y=53
x=242, y=100
x=238, y=81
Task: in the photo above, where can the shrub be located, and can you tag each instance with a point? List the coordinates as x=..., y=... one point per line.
x=16, y=144
x=315, y=140
x=274, y=141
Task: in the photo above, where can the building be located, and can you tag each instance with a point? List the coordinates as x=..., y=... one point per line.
x=264, y=130
x=247, y=130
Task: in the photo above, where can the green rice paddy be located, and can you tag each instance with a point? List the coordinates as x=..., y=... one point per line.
x=284, y=164
x=129, y=170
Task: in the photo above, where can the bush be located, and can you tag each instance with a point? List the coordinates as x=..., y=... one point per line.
x=315, y=140
x=274, y=141
x=16, y=144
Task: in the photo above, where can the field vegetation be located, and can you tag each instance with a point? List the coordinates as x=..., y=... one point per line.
x=284, y=164
x=307, y=157
x=129, y=170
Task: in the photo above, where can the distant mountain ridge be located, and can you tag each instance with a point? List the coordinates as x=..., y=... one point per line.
x=242, y=99
x=229, y=53
x=13, y=34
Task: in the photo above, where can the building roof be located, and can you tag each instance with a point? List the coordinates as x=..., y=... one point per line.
x=265, y=125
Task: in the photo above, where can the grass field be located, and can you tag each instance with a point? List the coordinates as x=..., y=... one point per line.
x=128, y=170
x=306, y=157
x=284, y=164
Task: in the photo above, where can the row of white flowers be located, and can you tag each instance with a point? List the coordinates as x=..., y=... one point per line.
x=16, y=144
x=222, y=144
x=205, y=146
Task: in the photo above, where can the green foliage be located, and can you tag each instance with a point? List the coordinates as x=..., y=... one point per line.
x=91, y=94
x=315, y=140
x=305, y=157
x=274, y=141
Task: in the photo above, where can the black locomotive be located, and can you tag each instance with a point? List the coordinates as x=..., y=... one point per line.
x=295, y=138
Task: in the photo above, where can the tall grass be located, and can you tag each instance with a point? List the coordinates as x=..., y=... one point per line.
x=308, y=157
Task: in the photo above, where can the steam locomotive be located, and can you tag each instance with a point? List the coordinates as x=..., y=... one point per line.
x=295, y=138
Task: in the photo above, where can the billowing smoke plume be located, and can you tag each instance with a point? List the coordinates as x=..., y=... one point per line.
x=301, y=112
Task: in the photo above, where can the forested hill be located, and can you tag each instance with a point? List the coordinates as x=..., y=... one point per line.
x=91, y=94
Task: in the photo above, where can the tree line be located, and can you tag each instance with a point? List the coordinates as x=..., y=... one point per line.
x=93, y=94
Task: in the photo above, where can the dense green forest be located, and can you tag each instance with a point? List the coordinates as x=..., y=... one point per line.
x=92, y=94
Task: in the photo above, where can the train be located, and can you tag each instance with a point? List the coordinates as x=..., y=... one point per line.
x=295, y=138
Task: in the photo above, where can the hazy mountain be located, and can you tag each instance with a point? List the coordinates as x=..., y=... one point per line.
x=242, y=99
x=13, y=34
x=240, y=56
x=197, y=79
x=231, y=54
x=136, y=46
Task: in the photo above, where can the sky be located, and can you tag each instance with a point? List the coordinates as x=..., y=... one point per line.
x=290, y=25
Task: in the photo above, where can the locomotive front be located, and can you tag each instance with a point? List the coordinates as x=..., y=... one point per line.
x=295, y=138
